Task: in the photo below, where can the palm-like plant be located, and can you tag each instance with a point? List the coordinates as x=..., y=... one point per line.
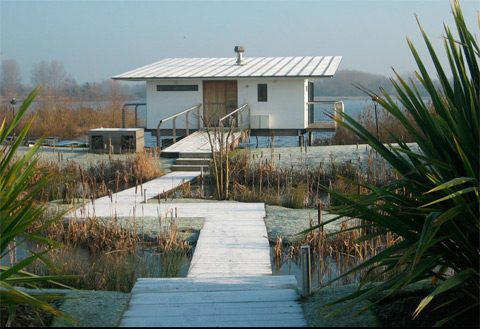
x=434, y=204
x=18, y=214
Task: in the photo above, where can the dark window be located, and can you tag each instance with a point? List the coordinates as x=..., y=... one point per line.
x=97, y=142
x=177, y=87
x=262, y=92
x=128, y=143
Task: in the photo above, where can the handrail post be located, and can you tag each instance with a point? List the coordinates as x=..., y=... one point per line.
x=198, y=117
x=136, y=115
x=174, y=131
x=186, y=115
x=123, y=116
x=159, y=136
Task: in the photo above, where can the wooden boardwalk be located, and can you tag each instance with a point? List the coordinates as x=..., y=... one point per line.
x=229, y=282
x=197, y=143
x=126, y=202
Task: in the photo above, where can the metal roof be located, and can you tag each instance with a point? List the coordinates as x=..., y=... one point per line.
x=254, y=67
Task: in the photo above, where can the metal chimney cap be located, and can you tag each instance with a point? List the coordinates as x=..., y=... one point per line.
x=239, y=49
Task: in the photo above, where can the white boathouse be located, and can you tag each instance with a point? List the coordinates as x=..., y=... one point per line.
x=278, y=92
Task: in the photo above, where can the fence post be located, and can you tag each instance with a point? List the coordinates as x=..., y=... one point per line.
x=306, y=275
x=145, y=196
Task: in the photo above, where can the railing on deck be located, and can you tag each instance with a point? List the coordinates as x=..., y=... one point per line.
x=174, y=128
x=136, y=105
x=337, y=107
x=239, y=120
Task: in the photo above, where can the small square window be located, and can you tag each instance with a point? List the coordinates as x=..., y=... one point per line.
x=262, y=92
x=97, y=142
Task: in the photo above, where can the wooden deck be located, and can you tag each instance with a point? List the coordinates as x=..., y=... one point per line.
x=198, y=143
x=261, y=301
x=321, y=126
x=229, y=282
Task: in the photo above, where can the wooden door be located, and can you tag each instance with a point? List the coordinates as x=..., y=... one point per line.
x=219, y=99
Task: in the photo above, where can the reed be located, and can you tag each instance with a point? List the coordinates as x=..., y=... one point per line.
x=265, y=181
x=109, y=256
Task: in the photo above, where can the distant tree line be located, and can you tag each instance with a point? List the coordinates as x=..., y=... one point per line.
x=58, y=82
x=343, y=84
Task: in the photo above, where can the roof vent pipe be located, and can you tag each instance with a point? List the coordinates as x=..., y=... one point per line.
x=239, y=50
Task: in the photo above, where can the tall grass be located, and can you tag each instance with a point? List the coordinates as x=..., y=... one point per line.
x=265, y=181
x=69, y=116
x=110, y=256
x=73, y=182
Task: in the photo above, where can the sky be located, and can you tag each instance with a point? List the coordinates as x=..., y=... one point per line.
x=96, y=39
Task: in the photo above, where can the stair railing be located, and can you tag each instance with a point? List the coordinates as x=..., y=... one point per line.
x=174, y=128
x=239, y=120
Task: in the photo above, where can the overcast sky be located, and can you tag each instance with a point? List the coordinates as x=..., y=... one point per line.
x=96, y=40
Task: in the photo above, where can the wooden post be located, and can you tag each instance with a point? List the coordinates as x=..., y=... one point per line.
x=306, y=279
x=320, y=229
x=310, y=138
x=145, y=196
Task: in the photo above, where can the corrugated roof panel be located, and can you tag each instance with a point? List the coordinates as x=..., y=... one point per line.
x=166, y=70
x=209, y=65
x=322, y=66
x=284, y=70
x=332, y=68
x=182, y=70
x=278, y=66
x=264, y=69
x=141, y=69
x=310, y=67
x=299, y=67
x=307, y=66
x=252, y=68
x=221, y=65
x=240, y=69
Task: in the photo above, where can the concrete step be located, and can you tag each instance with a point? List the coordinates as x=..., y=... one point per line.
x=189, y=168
x=193, y=161
x=201, y=155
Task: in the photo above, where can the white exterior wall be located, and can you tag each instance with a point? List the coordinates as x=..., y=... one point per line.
x=286, y=101
x=162, y=104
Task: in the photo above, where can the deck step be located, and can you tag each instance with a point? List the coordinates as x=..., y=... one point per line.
x=193, y=161
x=189, y=168
x=196, y=155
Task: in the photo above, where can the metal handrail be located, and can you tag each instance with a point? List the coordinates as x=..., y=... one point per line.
x=236, y=112
x=220, y=124
x=337, y=106
x=174, y=118
x=136, y=104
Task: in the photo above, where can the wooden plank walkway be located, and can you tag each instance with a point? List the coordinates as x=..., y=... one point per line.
x=261, y=301
x=198, y=142
x=125, y=203
x=230, y=281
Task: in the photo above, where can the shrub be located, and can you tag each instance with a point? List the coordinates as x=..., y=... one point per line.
x=434, y=204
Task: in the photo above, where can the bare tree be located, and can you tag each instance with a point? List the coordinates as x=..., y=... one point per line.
x=52, y=75
x=10, y=77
